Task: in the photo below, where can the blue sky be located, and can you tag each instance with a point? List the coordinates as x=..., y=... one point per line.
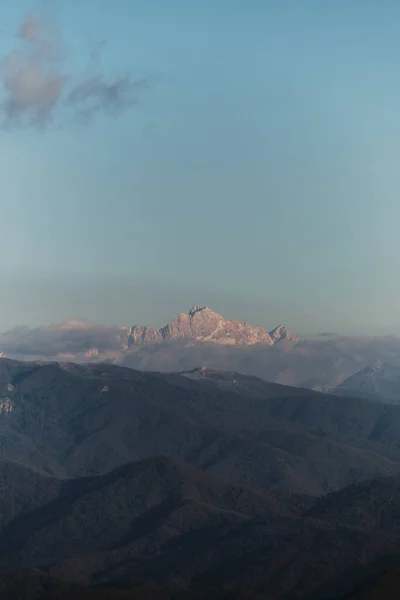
x=256, y=173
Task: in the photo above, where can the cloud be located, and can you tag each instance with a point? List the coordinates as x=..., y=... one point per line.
x=31, y=75
x=31, y=29
x=72, y=338
x=97, y=94
x=315, y=363
x=37, y=88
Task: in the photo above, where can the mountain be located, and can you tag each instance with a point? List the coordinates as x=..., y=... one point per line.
x=203, y=482
x=385, y=586
x=320, y=364
x=202, y=337
x=74, y=419
x=203, y=324
x=144, y=505
x=248, y=385
x=23, y=489
x=35, y=585
x=164, y=520
x=381, y=381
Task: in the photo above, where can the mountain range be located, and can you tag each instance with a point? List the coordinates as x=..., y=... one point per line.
x=165, y=520
x=204, y=337
x=203, y=324
x=73, y=420
x=199, y=484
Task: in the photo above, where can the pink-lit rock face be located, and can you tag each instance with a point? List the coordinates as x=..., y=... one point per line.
x=144, y=335
x=281, y=333
x=203, y=324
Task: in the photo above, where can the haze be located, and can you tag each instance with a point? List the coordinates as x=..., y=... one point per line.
x=238, y=155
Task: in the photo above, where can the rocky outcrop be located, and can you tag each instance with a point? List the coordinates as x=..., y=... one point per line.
x=144, y=335
x=203, y=324
x=281, y=333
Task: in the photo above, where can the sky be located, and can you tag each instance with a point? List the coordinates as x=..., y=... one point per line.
x=242, y=155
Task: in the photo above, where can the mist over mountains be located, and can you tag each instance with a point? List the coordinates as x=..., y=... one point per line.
x=380, y=381
x=209, y=470
x=203, y=337
x=190, y=472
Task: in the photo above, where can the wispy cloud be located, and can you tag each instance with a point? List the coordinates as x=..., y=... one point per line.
x=37, y=88
x=32, y=75
x=67, y=338
x=96, y=94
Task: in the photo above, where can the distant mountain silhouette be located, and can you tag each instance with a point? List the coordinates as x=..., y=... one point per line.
x=381, y=382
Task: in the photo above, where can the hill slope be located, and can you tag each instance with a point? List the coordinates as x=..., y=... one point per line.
x=163, y=519
x=73, y=420
x=23, y=489
x=383, y=587
x=141, y=507
x=381, y=382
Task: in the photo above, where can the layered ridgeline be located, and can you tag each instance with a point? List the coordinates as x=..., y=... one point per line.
x=201, y=480
x=73, y=420
x=164, y=520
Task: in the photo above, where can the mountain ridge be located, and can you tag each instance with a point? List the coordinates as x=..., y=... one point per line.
x=206, y=479
x=164, y=520
x=201, y=323
x=202, y=337
x=81, y=419
x=378, y=381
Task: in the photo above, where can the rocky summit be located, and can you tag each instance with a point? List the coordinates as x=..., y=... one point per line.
x=203, y=324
